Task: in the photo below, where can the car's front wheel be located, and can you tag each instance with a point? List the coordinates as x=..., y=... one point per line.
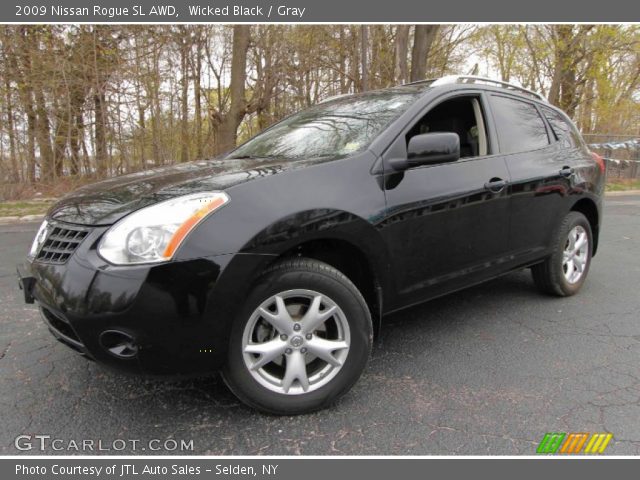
x=566, y=269
x=301, y=341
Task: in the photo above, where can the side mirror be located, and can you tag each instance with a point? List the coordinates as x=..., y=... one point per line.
x=429, y=148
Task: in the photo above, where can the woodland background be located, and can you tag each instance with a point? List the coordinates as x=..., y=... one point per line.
x=80, y=103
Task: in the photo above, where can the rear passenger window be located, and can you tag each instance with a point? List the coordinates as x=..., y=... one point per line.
x=520, y=127
x=563, y=130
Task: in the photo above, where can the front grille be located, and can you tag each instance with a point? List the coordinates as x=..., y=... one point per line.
x=60, y=244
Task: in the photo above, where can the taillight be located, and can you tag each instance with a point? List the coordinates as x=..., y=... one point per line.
x=599, y=160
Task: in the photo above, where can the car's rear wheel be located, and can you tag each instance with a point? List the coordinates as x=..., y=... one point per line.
x=301, y=341
x=565, y=271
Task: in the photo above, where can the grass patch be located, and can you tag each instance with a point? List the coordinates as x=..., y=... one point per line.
x=622, y=184
x=20, y=208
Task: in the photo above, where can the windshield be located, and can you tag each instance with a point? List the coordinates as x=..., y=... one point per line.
x=333, y=129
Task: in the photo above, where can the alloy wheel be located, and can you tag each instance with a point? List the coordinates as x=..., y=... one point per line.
x=575, y=255
x=296, y=342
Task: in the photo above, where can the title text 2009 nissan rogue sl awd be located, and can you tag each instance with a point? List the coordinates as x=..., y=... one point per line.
x=276, y=262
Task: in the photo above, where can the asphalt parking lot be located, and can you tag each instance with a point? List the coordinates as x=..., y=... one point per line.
x=486, y=371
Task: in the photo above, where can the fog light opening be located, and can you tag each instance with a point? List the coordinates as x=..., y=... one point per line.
x=119, y=344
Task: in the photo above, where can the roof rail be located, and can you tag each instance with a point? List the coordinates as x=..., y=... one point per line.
x=489, y=81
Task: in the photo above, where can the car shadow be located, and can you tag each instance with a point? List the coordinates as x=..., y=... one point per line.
x=84, y=399
x=437, y=320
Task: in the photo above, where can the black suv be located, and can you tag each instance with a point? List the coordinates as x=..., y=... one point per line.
x=276, y=262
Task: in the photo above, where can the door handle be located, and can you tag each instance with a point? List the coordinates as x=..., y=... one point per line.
x=495, y=185
x=567, y=171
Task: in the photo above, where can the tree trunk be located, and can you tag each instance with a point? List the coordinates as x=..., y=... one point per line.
x=401, y=50
x=184, y=101
x=587, y=107
x=43, y=136
x=74, y=143
x=38, y=109
x=100, y=134
x=15, y=175
x=197, y=74
x=423, y=39
x=568, y=53
x=156, y=112
x=62, y=131
x=364, y=44
x=228, y=130
x=21, y=66
x=99, y=99
x=343, y=61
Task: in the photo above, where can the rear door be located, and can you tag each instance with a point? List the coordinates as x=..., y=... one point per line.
x=540, y=172
x=444, y=227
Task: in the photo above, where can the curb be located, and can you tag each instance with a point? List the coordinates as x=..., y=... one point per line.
x=621, y=193
x=24, y=219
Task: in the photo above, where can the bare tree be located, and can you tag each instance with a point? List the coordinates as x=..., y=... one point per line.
x=364, y=45
x=97, y=100
x=401, y=49
x=230, y=121
x=422, y=41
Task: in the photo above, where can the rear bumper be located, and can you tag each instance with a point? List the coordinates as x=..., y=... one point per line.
x=175, y=318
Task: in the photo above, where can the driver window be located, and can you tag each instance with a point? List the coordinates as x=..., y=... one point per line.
x=461, y=115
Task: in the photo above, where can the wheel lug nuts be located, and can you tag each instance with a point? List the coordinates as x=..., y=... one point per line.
x=303, y=350
x=283, y=337
x=297, y=327
x=309, y=336
x=288, y=351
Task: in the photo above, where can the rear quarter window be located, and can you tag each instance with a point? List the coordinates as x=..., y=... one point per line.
x=520, y=127
x=563, y=130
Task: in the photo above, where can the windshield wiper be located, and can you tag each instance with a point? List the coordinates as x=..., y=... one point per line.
x=250, y=157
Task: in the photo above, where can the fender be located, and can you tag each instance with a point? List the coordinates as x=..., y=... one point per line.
x=239, y=270
x=591, y=207
x=325, y=224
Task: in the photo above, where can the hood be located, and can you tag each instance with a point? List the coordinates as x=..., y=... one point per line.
x=104, y=203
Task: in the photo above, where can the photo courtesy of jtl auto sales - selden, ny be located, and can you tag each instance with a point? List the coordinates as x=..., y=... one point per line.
x=285, y=239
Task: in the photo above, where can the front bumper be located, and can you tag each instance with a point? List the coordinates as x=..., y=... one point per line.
x=174, y=318
x=26, y=284
x=58, y=325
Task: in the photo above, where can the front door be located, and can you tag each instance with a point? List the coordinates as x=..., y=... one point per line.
x=447, y=224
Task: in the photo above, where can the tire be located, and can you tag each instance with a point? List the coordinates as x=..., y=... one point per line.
x=298, y=294
x=553, y=276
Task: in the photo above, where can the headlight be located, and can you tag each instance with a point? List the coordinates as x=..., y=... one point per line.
x=153, y=234
x=39, y=239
